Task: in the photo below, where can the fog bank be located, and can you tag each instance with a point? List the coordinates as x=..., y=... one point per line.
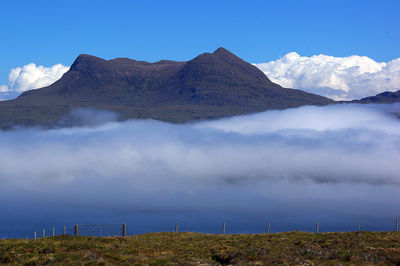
x=336, y=161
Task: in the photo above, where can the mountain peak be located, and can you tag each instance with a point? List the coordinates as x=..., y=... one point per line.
x=83, y=61
x=221, y=50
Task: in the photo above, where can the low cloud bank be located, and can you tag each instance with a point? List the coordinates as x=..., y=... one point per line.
x=335, y=163
x=339, y=78
x=338, y=144
x=86, y=117
x=334, y=158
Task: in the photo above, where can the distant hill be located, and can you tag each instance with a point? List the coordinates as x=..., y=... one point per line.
x=384, y=97
x=212, y=85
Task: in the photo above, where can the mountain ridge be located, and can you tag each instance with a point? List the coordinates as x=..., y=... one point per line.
x=211, y=85
x=384, y=97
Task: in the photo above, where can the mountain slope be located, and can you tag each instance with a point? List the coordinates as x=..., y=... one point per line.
x=211, y=85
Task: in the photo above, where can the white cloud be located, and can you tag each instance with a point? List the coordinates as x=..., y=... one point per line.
x=339, y=78
x=3, y=88
x=339, y=143
x=31, y=77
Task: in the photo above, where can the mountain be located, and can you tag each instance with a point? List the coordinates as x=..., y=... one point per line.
x=212, y=85
x=384, y=97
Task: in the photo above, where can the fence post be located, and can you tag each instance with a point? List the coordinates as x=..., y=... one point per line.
x=34, y=235
x=54, y=231
x=176, y=228
x=223, y=228
x=317, y=227
x=65, y=230
x=124, y=230
x=269, y=226
x=76, y=230
x=44, y=233
x=397, y=224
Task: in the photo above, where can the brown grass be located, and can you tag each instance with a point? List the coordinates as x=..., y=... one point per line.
x=290, y=248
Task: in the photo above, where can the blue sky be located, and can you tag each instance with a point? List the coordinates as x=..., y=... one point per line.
x=50, y=32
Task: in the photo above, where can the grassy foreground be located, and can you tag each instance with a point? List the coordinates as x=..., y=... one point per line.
x=290, y=248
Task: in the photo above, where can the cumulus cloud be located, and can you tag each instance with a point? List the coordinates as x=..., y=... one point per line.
x=307, y=162
x=3, y=88
x=339, y=78
x=31, y=77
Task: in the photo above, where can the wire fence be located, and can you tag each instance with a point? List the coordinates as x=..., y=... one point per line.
x=100, y=230
x=105, y=230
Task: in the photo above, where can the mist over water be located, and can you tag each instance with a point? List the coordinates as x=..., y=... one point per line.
x=336, y=163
